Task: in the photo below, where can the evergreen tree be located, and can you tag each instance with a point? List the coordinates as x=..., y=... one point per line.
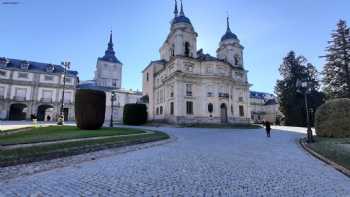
x=337, y=68
x=292, y=103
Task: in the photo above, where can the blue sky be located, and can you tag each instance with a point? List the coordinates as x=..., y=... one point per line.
x=56, y=30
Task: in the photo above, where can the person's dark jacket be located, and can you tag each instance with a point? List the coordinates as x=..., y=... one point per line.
x=268, y=126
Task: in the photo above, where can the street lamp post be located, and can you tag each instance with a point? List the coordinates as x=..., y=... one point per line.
x=112, y=106
x=304, y=88
x=66, y=66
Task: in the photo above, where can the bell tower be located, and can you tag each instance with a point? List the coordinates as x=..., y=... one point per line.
x=182, y=39
x=108, y=68
x=230, y=50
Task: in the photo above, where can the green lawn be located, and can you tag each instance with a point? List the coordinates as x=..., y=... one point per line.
x=54, y=133
x=335, y=149
x=52, y=151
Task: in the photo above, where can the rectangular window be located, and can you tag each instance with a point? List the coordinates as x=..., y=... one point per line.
x=47, y=94
x=48, y=78
x=221, y=70
x=240, y=99
x=189, y=68
x=68, y=80
x=2, y=91
x=209, y=69
x=241, y=110
x=20, y=94
x=161, y=110
x=67, y=97
x=172, y=108
x=188, y=89
x=147, y=76
x=189, y=107
x=23, y=75
x=171, y=91
x=2, y=73
x=114, y=83
x=210, y=94
x=157, y=111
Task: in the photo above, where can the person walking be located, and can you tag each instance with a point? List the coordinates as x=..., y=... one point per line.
x=268, y=128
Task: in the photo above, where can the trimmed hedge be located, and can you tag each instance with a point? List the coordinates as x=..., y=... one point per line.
x=135, y=114
x=90, y=108
x=333, y=119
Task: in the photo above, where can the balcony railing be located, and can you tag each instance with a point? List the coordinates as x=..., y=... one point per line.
x=224, y=95
x=188, y=93
x=67, y=101
x=19, y=98
x=46, y=100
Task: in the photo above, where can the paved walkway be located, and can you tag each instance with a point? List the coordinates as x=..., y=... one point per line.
x=10, y=125
x=202, y=162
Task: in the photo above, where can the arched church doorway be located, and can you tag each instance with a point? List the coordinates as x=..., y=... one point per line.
x=45, y=112
x=223, y=110
x=18, y=111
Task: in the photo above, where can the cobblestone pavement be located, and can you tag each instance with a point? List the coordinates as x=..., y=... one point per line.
x=201, y=162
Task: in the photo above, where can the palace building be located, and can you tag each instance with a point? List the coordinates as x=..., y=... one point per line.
x=188, y=86
x=264, y=107
x=32, y=88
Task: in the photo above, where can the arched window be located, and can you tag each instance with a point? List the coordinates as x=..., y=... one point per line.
x=172, y=108
x=210, y=108
x=236, y=60
x=187, y=49
x=173, y=50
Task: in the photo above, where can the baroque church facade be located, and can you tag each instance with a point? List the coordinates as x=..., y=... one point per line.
x=188, y=86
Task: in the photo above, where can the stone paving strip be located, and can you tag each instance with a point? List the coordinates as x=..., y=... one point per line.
x=10, y=147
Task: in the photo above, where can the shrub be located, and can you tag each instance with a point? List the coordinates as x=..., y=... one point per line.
x=135, y=114
x=333, y=119
x=90, y=108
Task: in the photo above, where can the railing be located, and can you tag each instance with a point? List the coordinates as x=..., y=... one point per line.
x=46, y=100
x=188, y=93
x=67, y=102
x=224, y=95
x=19, y=98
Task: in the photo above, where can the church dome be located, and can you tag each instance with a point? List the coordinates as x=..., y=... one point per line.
x=181, y=19
x=229, y=35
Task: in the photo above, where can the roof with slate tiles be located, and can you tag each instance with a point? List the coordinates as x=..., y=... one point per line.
x=23, y=65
